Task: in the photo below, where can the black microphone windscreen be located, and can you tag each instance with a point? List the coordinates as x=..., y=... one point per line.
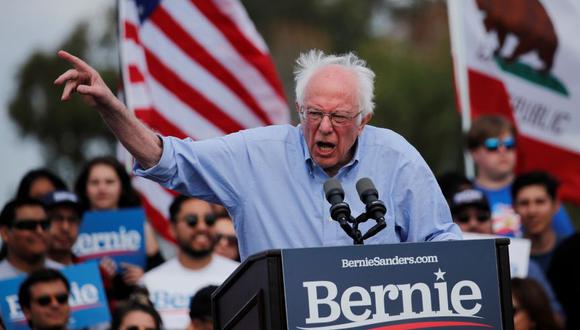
x=365, y=186
x=332, y=187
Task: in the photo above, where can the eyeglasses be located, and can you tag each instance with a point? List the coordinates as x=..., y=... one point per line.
x=232, y=240
x=61, y=298
x=493, y=144
x=315, y=116
x=24, y=224
x=60, y=218
x=193, y=219
x=464, y=217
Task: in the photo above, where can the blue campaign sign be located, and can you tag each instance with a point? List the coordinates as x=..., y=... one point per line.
x=87, y=299
x=399, y=286
x=117, y=234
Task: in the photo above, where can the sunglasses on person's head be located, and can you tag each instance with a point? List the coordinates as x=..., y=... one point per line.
x=45, y=300
x=193, y=219
x=231, y=239
x=464, y=217
x=493, y=144
x=23, y=224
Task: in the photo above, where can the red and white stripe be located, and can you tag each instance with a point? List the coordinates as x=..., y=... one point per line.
x=195, y=68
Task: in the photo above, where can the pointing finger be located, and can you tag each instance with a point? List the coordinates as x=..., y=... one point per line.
x=75, y=61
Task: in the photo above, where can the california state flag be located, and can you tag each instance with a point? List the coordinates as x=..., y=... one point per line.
x=521, y=58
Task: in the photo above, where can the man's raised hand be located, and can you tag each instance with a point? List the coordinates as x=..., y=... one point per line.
x=86, y=81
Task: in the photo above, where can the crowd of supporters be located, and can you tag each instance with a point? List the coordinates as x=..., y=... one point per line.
x=526, y=205
x=40, y=225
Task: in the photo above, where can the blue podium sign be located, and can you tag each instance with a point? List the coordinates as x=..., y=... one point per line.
x=451, y=284
x=87, y=299
x=117, y=234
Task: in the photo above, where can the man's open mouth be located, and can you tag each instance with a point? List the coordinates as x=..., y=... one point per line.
x=325, y=146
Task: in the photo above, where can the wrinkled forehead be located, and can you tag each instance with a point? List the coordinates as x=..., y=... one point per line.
x=332, y=81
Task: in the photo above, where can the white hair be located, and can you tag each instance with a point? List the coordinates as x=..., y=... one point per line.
x=310, y=62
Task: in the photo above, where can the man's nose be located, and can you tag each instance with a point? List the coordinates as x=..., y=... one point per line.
x=325, y=125
x=65, y=224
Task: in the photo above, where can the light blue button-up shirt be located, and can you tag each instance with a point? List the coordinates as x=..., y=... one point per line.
x=267, y=180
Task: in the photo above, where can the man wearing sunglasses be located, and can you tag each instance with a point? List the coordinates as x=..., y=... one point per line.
x=470, y=210
x=226, y=241
x=64, y=213
x=43, y=297
x=491, y=141
x=172, y=284
x=23, y=226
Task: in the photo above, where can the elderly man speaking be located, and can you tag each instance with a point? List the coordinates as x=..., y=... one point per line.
x=271, y=179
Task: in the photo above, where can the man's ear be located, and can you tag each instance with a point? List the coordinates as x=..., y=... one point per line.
x=26, y=312
x=364, y=121
x=475, y=155
x=4, y=233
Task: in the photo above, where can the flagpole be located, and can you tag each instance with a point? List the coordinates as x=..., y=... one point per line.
x=454, y=9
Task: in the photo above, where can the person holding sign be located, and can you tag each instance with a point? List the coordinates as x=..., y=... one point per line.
x=43, y=297
x=104, y=185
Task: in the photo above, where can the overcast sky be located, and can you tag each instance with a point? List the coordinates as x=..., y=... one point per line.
x=25, y=26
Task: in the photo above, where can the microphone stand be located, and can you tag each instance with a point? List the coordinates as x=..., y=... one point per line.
x=336, y=212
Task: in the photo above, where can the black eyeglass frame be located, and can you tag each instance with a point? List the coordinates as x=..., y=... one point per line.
x=28, y=224
x=45, y=300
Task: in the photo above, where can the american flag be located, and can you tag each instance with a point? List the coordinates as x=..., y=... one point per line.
x=196, y=69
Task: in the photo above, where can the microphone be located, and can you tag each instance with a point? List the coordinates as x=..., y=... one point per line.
x=339, y=210
x=369, y=195
x=333, y=191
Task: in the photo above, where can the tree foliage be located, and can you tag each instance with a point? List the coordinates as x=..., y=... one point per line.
x=68, y=131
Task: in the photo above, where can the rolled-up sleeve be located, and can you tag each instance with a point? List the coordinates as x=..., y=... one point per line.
x=422, y=212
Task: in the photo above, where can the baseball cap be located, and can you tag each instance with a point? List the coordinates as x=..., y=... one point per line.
x=469, y=197
x=61, y=197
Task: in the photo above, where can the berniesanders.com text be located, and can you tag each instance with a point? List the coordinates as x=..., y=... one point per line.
x=392, y=261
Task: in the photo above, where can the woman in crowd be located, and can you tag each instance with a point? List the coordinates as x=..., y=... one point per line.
x=531, y=306
x=39, y=182
x=103, y=184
